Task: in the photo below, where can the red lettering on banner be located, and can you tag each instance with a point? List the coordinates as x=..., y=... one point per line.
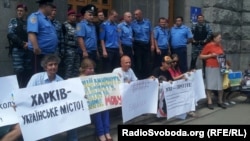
x=113, y=100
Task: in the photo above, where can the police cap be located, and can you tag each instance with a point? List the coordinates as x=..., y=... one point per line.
x=46, y=2
x=89, y=8
x=22, y=6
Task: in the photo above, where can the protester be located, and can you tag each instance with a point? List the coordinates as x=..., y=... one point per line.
x=50, y=64
x=125, y=72
x=101, y=119
x=177, y=75
x=175, y=68
x=163, y=74
x=213, y=74
x=226, y=85
x=10, y=133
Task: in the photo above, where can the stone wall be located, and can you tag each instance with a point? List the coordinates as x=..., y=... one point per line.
x=231, y=18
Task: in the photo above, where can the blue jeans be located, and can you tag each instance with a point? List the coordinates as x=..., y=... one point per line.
x=102, y=123
x=71, y=136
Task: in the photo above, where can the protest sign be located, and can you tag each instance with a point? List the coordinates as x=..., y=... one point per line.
x=139, y=97
x=7, y=113
x=235, y=78
x=198, y=85
x=102, y=91
x=161, y=110
x=179, y=97
x=49, y=109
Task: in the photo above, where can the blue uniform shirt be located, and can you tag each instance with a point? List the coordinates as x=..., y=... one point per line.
x=180, y=35
x=46, y=34
x=109, y=33
x=142, y=30
x=162, y=37
x=126, y=33
x=87, y=31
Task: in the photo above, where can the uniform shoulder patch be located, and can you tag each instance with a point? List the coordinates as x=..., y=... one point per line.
x=33, y=19
x=78, y=27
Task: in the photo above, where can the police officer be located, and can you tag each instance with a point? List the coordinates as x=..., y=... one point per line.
x=180, y=37
x=71, y=56
x=86, y=34
x=201, y=32
x=59, y=50
x=100, y=20
x=110, y=43
x=126, y=36
x=41, y=33
x=161, y=38
x=143, y=45
x=18, y=37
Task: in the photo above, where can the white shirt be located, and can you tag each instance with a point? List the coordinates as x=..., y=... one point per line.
x=126, y=76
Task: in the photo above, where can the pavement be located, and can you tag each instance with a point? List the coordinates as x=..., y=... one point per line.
x=86, y=133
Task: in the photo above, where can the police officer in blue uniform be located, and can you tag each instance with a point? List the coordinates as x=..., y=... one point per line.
x=126, y=36
x=86, y=34
x=161, y=39
x=110, y=43
x=18, y=37
x=59, y=51
x=201, y=31
x=71, y=56
x=180, y=37
x=143, y=45
x=41, y=33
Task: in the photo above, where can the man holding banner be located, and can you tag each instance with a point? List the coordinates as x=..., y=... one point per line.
x=125, y=72
x=50, y=64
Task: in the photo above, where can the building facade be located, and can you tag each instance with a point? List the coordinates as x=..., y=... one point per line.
x=230, y=17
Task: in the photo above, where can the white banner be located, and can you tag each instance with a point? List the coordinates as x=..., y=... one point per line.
x=179, y=97
x=198, y=85
x=50, y=109
x=7, y=113
x=102, y=91
x=139, y=97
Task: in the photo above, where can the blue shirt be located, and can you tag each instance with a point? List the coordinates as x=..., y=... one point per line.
x=46, y=33
x=180, y=35
x=109, y=33
x=126, y=33
x=161, y=35
x=87, y=31
x=142, y=30
x=42, y=78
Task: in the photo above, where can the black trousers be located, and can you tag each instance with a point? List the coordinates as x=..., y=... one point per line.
x=143, y=60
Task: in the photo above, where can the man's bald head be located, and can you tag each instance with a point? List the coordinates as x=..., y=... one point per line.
x=127, y=16
x=125, y=62
x=138, y=14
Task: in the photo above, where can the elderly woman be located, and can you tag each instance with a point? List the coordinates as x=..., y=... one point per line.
x=213, y=75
